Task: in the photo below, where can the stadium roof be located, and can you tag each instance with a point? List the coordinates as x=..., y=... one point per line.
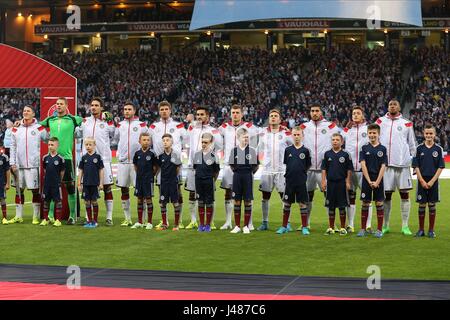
x=60, y=3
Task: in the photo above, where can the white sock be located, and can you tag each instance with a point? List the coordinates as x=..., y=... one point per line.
x=19, y=210
x=369, y=217
x=126, y=209
x=250, y=222
x=228, y=211
x=144, y=212
x=193, y=210
x=351, y=215
x=387, y=212
x=36, y=210
x=213, y=213
x=405, y=207
x=265, y=210
x=109, y=209
x=309, y=213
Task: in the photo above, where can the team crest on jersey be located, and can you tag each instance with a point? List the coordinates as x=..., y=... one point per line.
x=380, y=154
x=324, y=131
x=148, y=158
x=162, y=198
x=102, y=126
x=95, y=160
x=172, y=130
x=399, y=128
x=286, y=196
x=56, y=162
x=135, y=129
x=33, y=133
x=280, y=137
x=302, y=156
x=419, y=197
x=341, y=159
x=209, y=162
x=364, y=135
x=363, y=195
x=248, y=157
x=435, y=154
x=233, y=194
x=1, y=162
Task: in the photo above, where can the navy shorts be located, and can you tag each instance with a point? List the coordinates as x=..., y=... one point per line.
x=2, y=192
x=427, y=195
x=336, y=195
x=90, y=193
x=296, y=193
x=204, y=190
x=242, y=186
x=169, y=192
x=51, y=193
x=144, y=189
x=368, y=194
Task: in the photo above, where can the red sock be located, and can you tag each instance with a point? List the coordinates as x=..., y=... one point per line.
x=237, y=215
x=304, y=214
x=4, y=209
x=201, y=214
x=45, y=210
x=164, y=214
x=422, y=218
x=380, y=217
x=286, y=214
x=149, y=212
x=432, y=216
x=209, y=212
x=331, y=217
x=342, y=216
x=95, y=209
x=140, y=209
x=89, y=212
x=177, y=215
x=364, y=216
x=58, y=211
x=247, y=214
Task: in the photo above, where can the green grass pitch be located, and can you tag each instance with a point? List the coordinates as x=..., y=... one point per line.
x=398, y=256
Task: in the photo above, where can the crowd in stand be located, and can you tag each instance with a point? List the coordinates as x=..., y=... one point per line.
x=432, y=93
x=259, y=80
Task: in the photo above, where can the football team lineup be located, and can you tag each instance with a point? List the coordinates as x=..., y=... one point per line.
x=375, y=158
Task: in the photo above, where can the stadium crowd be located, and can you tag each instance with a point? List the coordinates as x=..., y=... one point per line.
x=430, y=85
x=259, y=80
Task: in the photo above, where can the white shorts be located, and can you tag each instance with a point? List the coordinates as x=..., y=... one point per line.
x=269, y=181
x=397, y=178
x=126, y=175
x=190, y=180
x=227, y=178
x=313, y=180
x=356, y=180
x=107, y=174
x=29, y=178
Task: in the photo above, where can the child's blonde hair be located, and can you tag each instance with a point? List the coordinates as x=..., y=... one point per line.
x=89, y=139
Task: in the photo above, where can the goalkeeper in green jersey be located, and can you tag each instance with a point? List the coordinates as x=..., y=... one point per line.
x=62, y=126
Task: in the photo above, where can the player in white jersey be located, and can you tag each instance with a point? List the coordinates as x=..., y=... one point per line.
x=397, y=135
x=355, y=136
x=228, y=130
x=317, y=133
x=179, y=136
x=127, y=135
x=102, y=130
x=272, y=142
x=25, y=161
x=194, y=141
